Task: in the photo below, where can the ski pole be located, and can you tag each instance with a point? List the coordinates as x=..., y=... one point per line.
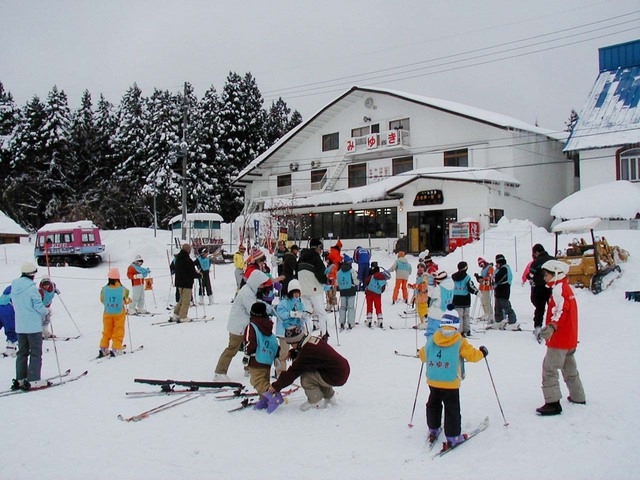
x=69, y=313
x=335, y=320
x=55, y=348
x=129, y=332
x=415, y=400
x=506, y=424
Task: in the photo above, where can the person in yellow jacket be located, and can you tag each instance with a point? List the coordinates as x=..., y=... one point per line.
x=115, y=297
x=240, y=264
x=444, y=353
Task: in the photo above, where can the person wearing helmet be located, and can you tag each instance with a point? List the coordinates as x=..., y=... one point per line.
x=347, y=282
x=30, y=314
x=561, y=336
x=403, y=269
x=114, y=296
x=290, y=311
x=239, y=264
x=319, y=367
x=47, y=290
x=137, y=273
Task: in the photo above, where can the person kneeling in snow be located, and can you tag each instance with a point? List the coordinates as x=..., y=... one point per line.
x=443, y=354
x=319, y=367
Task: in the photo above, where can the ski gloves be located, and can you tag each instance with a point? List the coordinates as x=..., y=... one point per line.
x=547, y=332
x=484, y=350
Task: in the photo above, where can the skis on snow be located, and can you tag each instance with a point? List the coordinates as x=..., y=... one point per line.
x=161, y=408
x=55, y=381
x=469, y=435
x=167, y=384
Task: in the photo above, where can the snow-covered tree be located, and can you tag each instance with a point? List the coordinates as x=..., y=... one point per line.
x=242, y=136
x=279, y=121
x=9, y=119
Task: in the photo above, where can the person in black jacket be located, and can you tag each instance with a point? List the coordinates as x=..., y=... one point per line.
x=185, y=272
x=539, y=292
x=502, y=279
x=289, y=267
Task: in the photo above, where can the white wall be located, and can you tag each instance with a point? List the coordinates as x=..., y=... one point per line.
x=597, y=166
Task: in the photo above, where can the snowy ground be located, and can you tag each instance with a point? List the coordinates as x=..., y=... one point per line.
x=72, y=431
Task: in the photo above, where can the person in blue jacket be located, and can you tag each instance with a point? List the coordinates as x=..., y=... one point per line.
x=30, y=315
x=463, y=287
x=203, y=264
x=8, y=322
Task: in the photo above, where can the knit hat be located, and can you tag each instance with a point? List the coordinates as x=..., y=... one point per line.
x=347, y=259
x=203, y=250
x=293, y=334
x=450, y=318
x=499, y=256
x=138, y=258
x=315, y=243
x=257, y=254
x=29, y=269
x=462, y=266
x=259, y=309
x=293, y=286
x=401, y=254
x=481, y=262
x=427, y=259
x=114, y=274
x=500, y=260
x=45, y=279
x=440, y=275
x=242, y=248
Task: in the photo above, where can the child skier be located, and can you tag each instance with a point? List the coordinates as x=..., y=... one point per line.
x=462, y=290
x=289, y=312
x=48, y=290
x=375, y=284
x=261, y=350
x=137, y=273
x=8, y=322
x=443, y=354
x=485, y=285
x=347, y=283
x=502, y=291
x=115, y=297
x=421, y=294
x=403, y=269
x=203, y=264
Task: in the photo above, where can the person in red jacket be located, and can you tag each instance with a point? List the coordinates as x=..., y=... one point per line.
x=319, y=367
x=561, y=335
x=375, y=284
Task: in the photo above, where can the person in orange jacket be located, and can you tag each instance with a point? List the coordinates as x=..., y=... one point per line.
x=561, y=335
x=137, y=273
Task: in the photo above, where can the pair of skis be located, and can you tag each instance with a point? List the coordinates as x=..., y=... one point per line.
x=124, y=352
x=446, y=448
x=54, y=381
x=172, y=322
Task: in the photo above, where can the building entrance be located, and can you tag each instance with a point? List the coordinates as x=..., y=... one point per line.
x=430, y=229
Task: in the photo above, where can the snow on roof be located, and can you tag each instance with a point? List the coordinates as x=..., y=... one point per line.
x=197, y=216
x=576, y=225
x=57, y=226
x=611, y=115
x=496, y=119
x=9, y=227
x=379, y=190
x=618, y=199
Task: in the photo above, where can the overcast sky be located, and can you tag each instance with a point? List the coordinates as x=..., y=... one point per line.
x=532, y=60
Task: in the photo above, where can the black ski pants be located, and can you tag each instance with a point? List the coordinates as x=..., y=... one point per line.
x=450, y=397
x=540, y=295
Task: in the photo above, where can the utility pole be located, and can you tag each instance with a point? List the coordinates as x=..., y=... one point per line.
x=183, y=151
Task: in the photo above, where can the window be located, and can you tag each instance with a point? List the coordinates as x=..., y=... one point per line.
x=357, y=175
x=375, y=222
x=456, y=158
x=284, y=184
x=495, y=214
x=401, y=165
x=629, y=165
x=330, y=141
x=360, y=132
x=318, y=179
x=402, y=124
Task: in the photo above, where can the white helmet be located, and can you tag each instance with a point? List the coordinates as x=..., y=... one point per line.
x=556, y=267
x=28, y=269
x=294, y=285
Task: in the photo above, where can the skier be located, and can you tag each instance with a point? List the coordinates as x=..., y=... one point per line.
x=115, y=297
x=319, y=367
x=185, y=275
x=485, y=285
x=347, y=282
x=278, y=256
x=260, y=349
x=444, y=353
x=561, y=335
x=539, y=292
x=238, y=320
x=137, y=273
x=8, y=322
x=362, y=256
x=502, y=290
x=312, y=280
x=30, y=314
x=290, y=311
x=403, y=269
x=239, y=264
x=47, y=290
x=462, y=290
x=289, y=267
x=375, y=284
x=203, y=265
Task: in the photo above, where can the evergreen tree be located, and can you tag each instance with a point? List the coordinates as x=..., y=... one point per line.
x=295, y=120
x=279, y=121
x=9, y=119
x=125, y=206
x=22, y=198
x=242, y=137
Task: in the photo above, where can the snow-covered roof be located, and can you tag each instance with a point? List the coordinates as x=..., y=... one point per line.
x=59, y=226
x=198, y=216
x=496, y=119
x=611, y=116
x=576, y=225
x=383, y=188
x=9, y=227
x=618, y=199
